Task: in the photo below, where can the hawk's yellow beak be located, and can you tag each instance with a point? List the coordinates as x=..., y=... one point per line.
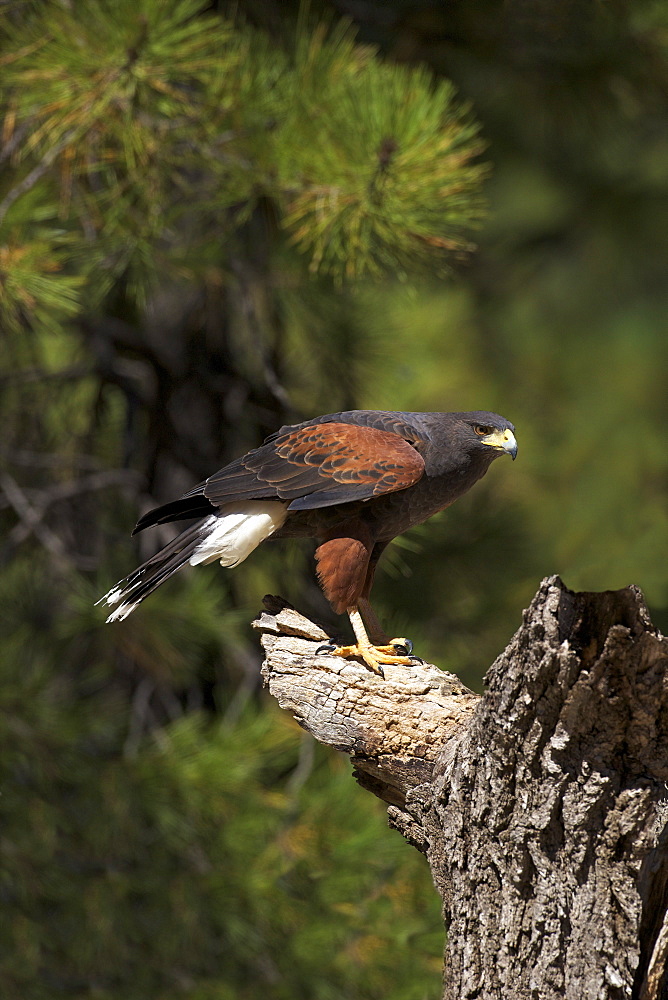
x=502, y=441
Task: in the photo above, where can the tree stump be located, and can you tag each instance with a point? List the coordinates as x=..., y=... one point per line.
x=542, y=806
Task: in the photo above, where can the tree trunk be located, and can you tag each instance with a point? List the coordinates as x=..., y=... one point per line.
x=542, y=806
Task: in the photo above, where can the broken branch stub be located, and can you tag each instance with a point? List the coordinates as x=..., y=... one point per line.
x=393, y=728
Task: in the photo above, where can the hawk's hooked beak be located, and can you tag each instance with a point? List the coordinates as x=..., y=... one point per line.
x=502, y=441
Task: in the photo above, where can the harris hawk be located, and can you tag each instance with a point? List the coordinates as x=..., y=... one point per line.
x=352, y=480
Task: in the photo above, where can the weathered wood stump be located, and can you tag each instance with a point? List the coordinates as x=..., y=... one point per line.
x=542, y=806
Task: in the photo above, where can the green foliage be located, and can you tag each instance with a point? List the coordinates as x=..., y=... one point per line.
x=154, y=125
x=33, y=288
x=103, y=85
x=200, y=864
x=115, y=107
x=384, y=155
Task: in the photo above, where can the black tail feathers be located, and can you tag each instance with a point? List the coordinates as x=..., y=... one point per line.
x=128, y=593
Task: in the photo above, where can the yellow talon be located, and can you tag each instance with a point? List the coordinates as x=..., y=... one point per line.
x=373, y=656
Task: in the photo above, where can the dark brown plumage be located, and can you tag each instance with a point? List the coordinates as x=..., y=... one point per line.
x=352, y=480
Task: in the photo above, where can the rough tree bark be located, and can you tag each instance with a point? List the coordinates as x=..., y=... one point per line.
x=542, y=806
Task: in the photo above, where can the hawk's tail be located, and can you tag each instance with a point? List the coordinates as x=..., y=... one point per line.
x=131, y=591
x=229, y=536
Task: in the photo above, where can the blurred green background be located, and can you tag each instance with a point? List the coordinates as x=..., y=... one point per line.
x=219, y=218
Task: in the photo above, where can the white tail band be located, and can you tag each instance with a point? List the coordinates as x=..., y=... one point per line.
x=232, y=535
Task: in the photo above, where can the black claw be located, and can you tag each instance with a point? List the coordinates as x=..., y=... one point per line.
x=416, y=659
x=328, y=647
x=404, y=648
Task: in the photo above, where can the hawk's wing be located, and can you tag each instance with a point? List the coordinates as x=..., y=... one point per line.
x=310, y=466
x=334, y=463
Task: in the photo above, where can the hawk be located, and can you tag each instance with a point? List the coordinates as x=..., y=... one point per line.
x=352, y=480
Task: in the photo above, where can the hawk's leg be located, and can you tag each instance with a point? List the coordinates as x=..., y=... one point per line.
x=375, y=630
x=346, y=564
x=373, y=656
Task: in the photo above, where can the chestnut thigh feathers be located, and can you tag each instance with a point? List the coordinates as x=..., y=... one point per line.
x=342, y=566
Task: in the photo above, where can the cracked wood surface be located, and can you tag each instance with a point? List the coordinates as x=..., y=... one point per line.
x=393, y=728
x=542, y=807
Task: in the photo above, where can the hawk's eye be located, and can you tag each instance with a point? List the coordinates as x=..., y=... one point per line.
x=482, y=431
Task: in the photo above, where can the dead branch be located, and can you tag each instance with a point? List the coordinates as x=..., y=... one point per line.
x=542, y=807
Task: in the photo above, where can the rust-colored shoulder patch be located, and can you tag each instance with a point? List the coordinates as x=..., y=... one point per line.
x=351, y=454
